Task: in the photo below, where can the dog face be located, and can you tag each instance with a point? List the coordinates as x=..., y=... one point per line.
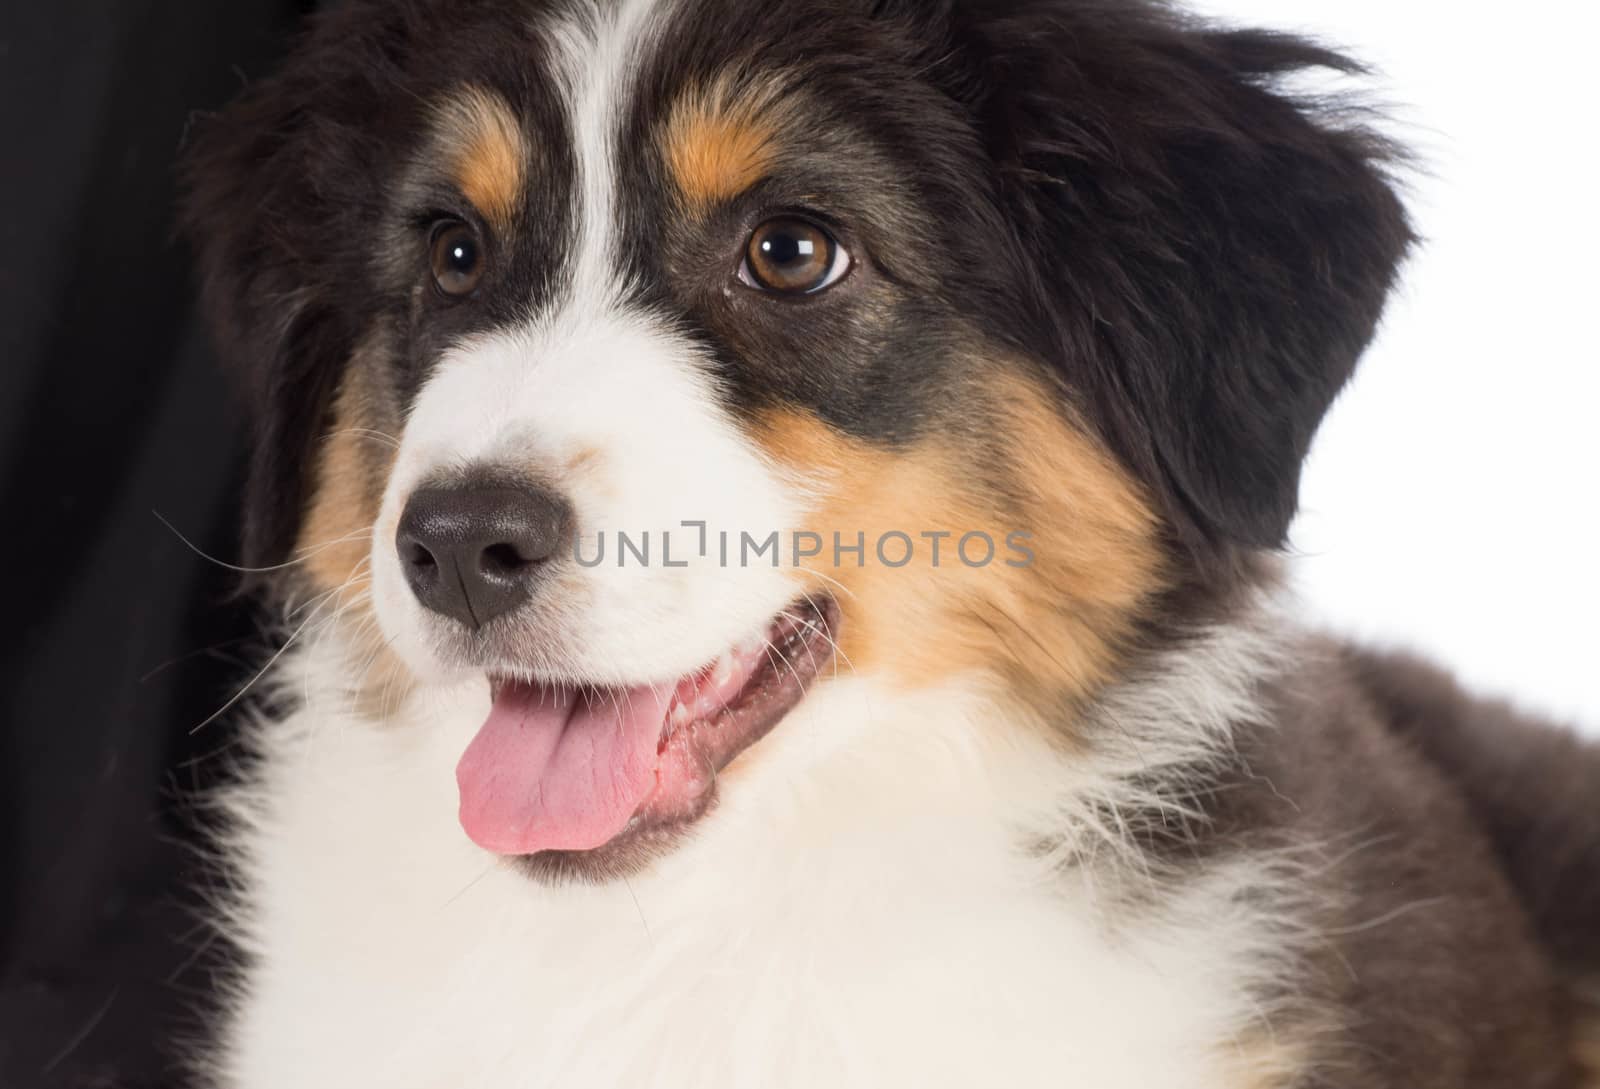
x=657, y=359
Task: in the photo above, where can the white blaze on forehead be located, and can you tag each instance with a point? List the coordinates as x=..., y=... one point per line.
x=598, y=53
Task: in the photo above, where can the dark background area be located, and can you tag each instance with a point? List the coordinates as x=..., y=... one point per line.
x=117, y=639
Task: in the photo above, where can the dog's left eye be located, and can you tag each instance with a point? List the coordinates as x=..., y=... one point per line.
x=792, y=256
x=456, y=257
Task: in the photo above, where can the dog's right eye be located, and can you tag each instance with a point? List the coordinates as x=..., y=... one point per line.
x=456, y=257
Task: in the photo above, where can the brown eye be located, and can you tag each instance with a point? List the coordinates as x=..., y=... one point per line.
x=791, y=256
x=457, y=259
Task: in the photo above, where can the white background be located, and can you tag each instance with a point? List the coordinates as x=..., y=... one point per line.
x=1450, y=504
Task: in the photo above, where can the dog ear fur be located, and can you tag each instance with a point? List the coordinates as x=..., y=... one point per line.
x=1210, y=256
x=281, y=197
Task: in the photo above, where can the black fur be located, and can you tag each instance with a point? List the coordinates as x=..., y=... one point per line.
x=1209, y=258
x=298, y=197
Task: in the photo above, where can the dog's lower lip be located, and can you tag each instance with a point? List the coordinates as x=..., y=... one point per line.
x=712, y=719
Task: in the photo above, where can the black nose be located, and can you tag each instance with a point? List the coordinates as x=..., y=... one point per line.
x=473, y=552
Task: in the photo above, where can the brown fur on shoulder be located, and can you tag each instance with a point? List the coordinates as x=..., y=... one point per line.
x=1534, y=788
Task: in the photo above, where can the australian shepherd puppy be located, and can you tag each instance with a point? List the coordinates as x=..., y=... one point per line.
x=776, y=508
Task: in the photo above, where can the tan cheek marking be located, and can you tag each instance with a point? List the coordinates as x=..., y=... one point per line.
x=490, y=153
x=716, y=149
x=336, y=537
x=352, y=470
x=1051, y=629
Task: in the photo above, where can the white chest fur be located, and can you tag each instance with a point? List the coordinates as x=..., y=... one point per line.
x=860, y=919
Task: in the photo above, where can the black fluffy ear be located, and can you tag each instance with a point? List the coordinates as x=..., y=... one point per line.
x=1210, y=257
x=280, y=196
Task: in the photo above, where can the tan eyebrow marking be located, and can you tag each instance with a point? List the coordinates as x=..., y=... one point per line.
x=719, y=141
x=488, y=150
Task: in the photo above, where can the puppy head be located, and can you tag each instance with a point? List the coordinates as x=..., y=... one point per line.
x=936, y=340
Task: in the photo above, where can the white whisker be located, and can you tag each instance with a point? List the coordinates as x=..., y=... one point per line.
x=301, y=556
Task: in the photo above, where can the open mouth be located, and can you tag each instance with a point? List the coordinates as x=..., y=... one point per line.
x=564, y=768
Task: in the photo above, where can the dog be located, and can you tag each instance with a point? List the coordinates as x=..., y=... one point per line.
x=778, y=512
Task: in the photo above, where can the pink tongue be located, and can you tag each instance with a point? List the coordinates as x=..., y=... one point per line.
x=549, y=772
